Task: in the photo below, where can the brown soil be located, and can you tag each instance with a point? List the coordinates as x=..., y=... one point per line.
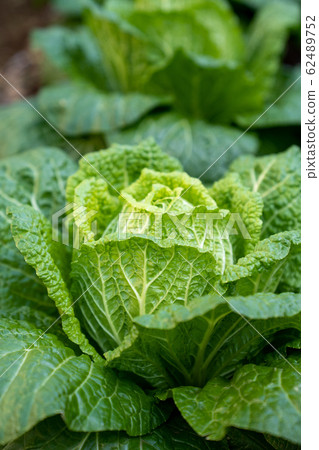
x=17, y=63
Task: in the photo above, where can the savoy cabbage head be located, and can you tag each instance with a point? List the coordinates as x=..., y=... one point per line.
x=175, y=299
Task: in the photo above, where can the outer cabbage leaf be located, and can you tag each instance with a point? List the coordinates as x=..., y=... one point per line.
x=71, y=51
x=41, y=314
x=31, y=131
x=121, y=165
x=100, y=206
x=291, y=278
x=133, y=277
x=19, y=117
x=37, y=178
x=286, y=111
x=187, y=344
x=46, y=378
x=200, y=85
x=266, y=41
x=277, y=179
x=229, y=193
x=33, y=237
x=258, y=398
x=196, y=143
x=52, y=434
x=266, y=266
x=77, y=109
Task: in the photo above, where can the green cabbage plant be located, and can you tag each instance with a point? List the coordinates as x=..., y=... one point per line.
x=172, y=317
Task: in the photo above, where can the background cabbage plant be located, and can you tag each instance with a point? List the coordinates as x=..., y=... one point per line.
x=192, y=74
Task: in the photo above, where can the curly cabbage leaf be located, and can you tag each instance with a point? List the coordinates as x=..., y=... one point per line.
x=185, y=345
x=46, y=378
